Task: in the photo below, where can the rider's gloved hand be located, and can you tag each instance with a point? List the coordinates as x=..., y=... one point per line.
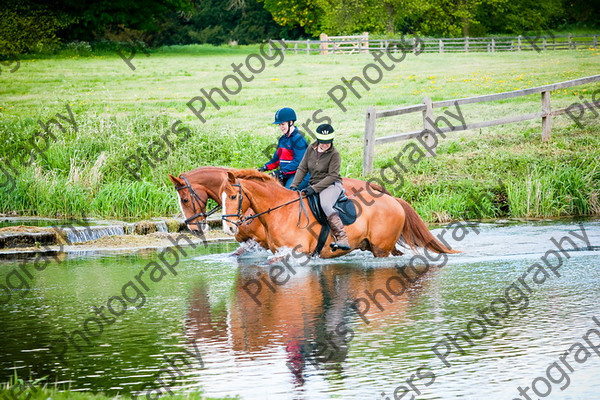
x=308, y=191
x=262, y=169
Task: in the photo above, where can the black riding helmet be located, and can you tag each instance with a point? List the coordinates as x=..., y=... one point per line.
x=325, y=133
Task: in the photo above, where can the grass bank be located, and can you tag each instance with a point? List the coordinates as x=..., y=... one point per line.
x=45, y=394
x=126, y=120
x=17, y=388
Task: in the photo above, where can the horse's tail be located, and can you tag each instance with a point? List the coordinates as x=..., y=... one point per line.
x=416, y=234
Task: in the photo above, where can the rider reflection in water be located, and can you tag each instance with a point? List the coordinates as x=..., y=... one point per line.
x=327, y=346
x=322, y=161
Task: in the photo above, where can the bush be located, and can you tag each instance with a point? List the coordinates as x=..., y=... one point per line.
x=24, y=28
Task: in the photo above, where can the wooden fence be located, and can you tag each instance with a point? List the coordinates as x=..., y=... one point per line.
x=344, y=44
x=430, y=128
x=362, y=44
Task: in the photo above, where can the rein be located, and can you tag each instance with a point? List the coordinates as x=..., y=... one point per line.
x=196, y=200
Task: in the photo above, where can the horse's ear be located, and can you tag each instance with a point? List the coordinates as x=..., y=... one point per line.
x=176, y=181
x=231, y=177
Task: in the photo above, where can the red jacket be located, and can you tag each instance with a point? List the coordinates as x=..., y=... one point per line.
x=289, y=153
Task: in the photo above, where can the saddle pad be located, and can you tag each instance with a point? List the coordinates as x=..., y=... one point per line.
x=344, y=206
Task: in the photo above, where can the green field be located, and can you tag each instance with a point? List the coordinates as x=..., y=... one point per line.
x=122, y=113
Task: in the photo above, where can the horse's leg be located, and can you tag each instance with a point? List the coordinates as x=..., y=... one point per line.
x=379, y=252
x=364, y=245
x=240, y=250
x=397, y=252
x=246, y=246
x=383, y=236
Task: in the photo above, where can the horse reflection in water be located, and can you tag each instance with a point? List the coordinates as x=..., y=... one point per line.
x=313, y=316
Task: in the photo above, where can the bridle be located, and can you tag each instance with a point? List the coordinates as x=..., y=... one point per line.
x=196, y=200
x=241, y=219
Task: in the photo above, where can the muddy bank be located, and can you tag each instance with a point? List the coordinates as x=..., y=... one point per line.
x=23, y=242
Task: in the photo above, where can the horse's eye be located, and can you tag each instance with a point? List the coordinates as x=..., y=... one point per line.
x=233, y=197
x=185, y=200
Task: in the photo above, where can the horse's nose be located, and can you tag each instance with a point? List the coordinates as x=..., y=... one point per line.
x=230, y=229
x=204, y=227
x=201, y=227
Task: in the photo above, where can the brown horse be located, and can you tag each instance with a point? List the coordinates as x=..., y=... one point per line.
x=196, y=187
x=382, y=219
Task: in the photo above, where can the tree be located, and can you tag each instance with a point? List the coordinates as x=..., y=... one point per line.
x=354, y=16
x=25, y=27
x=522, y=16
x=305, y=14
x=242, y=21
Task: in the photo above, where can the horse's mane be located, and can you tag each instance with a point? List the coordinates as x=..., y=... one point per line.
x=204, y=169
x=252, y=174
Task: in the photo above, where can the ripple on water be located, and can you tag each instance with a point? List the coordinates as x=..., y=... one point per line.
x=246, y=347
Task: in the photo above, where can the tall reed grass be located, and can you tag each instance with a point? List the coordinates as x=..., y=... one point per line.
x=496, y=172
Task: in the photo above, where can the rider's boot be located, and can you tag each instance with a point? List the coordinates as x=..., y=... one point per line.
x=337, y=228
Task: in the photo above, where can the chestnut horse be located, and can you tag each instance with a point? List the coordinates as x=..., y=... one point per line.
x=382, y=219
x=198, y=185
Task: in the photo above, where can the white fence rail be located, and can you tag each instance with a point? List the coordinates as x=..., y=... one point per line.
x=362, y=44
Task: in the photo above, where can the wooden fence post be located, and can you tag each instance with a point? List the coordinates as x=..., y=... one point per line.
x=427, y=125
x=441, y=45
x=547, y=118
x=519, y=43
x=493, y=45
x=466, y=44
x=324, y=46
x=570, y=41
x=595, y=41
x=369, y=149
x=365, y=43
x=544, y=43
x=308, y=47
x=296, y=48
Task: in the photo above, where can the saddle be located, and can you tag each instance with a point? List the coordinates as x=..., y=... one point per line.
x=344, y=207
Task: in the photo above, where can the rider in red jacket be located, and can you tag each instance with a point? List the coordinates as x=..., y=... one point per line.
x=290, y=149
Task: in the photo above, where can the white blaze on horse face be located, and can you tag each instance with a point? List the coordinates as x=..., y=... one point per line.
x=181, y=206
x=228, y=227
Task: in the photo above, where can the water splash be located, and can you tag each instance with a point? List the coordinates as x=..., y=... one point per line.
x=86, y=233
x=161, y=226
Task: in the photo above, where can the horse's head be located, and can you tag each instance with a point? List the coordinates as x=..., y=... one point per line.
x=192, y=203
x=234, y=204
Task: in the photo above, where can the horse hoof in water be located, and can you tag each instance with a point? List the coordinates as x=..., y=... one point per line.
x=276, y=259
x=240, y=251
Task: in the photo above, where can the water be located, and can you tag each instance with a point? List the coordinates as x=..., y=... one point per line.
x=78, y=231
x=79, y=234
x=225, y=342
